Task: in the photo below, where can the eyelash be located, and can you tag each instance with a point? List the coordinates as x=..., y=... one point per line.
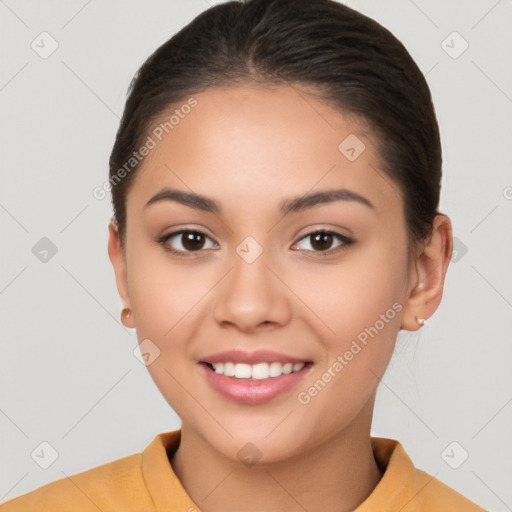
x=346, y=242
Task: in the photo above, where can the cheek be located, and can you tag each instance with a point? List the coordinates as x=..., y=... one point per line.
x=168, y=309
x=351, y=295
x=360, y=301
x=166, y=296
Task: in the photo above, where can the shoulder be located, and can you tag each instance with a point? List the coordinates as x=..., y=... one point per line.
x=117, y=485
x=432, y=495
x=407, y=488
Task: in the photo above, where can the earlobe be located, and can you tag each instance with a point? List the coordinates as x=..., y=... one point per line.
x=428, y=275
x=118, y=261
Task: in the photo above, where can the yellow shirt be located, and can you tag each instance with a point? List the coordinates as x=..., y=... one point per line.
x=146, y=482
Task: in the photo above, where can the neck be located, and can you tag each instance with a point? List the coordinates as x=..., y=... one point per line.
x=338, y=474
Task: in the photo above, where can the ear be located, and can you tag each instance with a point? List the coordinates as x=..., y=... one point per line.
x=428, y=274
x=117, y=258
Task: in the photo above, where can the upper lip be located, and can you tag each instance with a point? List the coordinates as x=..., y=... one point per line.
x=258, y=356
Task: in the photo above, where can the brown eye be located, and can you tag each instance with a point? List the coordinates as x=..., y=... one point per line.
x=192, y=241
x=322, y=242
x=184, y=242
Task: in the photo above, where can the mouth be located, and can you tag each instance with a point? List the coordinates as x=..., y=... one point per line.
x=251, y=378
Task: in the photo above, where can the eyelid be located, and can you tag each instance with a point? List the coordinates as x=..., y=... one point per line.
x=162, y=240
x=344, y=239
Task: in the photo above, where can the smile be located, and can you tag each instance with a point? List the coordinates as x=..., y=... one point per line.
x=259, y=371
x=254, y=378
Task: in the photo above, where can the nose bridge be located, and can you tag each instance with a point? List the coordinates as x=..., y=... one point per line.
x=251, y=295
x=251, y=263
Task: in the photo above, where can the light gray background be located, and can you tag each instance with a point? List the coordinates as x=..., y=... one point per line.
x=68, y=373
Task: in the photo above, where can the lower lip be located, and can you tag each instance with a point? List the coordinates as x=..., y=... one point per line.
x=248, y=391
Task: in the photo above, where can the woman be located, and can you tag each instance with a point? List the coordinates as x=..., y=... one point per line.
x=275, y=182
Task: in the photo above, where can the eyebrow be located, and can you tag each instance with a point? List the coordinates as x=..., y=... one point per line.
x=287, y=206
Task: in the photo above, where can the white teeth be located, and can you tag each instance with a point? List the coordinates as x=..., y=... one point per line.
x=229, y=369
x=259, y=371
x=276, y=369
x=287, y=368
x=243, y=371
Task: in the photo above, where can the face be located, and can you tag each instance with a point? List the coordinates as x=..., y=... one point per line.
x=257, y=274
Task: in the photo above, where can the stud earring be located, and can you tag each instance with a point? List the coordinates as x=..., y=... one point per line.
x=126, y=312
x=421, y=321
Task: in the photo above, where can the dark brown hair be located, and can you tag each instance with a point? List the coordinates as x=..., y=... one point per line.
x=352, y=61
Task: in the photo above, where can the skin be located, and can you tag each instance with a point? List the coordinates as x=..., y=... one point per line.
x=249, y=148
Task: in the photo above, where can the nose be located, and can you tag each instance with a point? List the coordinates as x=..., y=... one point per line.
x=252, y=297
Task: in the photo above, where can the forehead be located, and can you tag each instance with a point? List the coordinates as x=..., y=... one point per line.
x=260, y=143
